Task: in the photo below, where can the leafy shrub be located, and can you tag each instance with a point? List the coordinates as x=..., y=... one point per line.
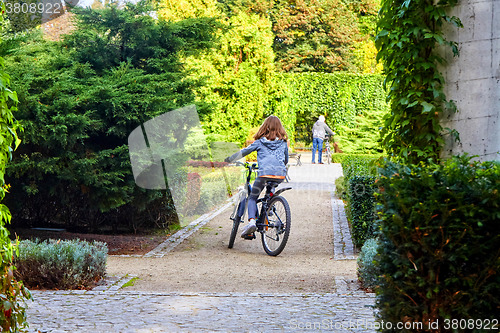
x=214, y=189
x=358, y=165
x=359, y=177
x=368, y=270
x=361, y=202
x=346, y=158
x=440, y=241
x=340, y=189
x=61, y=264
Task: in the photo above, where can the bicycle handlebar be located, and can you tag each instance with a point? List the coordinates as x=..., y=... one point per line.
x=247, y=165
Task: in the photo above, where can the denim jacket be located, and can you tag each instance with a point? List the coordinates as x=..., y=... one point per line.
x=272, y=156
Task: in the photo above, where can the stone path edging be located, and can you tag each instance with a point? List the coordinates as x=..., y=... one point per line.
x=170, y=243
x=343, y=248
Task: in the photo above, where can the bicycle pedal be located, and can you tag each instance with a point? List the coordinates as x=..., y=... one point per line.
x=250, y=237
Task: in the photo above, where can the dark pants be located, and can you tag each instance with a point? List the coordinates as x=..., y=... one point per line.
x=257, y=187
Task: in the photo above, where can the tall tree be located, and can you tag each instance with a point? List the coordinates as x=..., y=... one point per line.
x=236, y=75
x=310, y=35
x=315, y=35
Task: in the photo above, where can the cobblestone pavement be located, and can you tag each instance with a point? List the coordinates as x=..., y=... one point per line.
x=109, y=308
x=56, y=311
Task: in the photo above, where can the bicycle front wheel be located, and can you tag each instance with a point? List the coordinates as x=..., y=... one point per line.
x=237, y=216
x=329, y=156
x=234, y=231
x=276, y=226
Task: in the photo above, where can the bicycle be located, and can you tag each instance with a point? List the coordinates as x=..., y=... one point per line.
x=328, y=151
x=274, y=217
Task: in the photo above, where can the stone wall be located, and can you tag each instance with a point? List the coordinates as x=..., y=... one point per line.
x=473, y=80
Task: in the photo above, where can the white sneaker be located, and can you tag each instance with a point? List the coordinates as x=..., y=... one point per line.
x=249, y=229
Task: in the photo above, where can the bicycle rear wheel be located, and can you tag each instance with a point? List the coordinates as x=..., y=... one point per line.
x=277, y=226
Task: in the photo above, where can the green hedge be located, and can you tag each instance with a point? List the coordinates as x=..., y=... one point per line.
x=345, y=158
x=61, y=264
x=353, y=105
x=358, y=184
x=362, y=208
x=368, y=270
x=359, y=165
x=440, y=242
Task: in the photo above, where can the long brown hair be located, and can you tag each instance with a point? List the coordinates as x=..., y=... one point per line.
x=271, y=129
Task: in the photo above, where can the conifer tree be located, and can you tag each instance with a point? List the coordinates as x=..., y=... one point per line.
x=79, y=101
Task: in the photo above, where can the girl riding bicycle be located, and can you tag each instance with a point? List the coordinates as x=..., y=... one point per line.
x=272, y=157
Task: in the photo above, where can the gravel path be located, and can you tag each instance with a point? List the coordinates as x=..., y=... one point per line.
x=193, y=282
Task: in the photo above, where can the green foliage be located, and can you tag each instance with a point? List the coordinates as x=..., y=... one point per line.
x=176, y=10
x=352, y=104
x=357, y=165
x=12, y=291
x=214, y=190
x=79, y=102
x=361, y=203
x=19, y=19
x=368, y=269
x=340, y=188
x=364, y=135
x=409, y=35
x=280, y=105
x=237, y=76
x=359, y=178
x=313, y=35
x=109, y=37
x=347, y=158
x=440, y=241
x=56, y=264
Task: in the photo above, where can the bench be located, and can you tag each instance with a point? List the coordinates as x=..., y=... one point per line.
x=297, y=163
x=296, y=157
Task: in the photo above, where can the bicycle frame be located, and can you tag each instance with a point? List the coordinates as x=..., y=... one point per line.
x=328, y=150
x=243, y=192
x=270, y=192
x=273, y=223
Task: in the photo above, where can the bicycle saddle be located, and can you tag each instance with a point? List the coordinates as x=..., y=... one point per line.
x=272, y=184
